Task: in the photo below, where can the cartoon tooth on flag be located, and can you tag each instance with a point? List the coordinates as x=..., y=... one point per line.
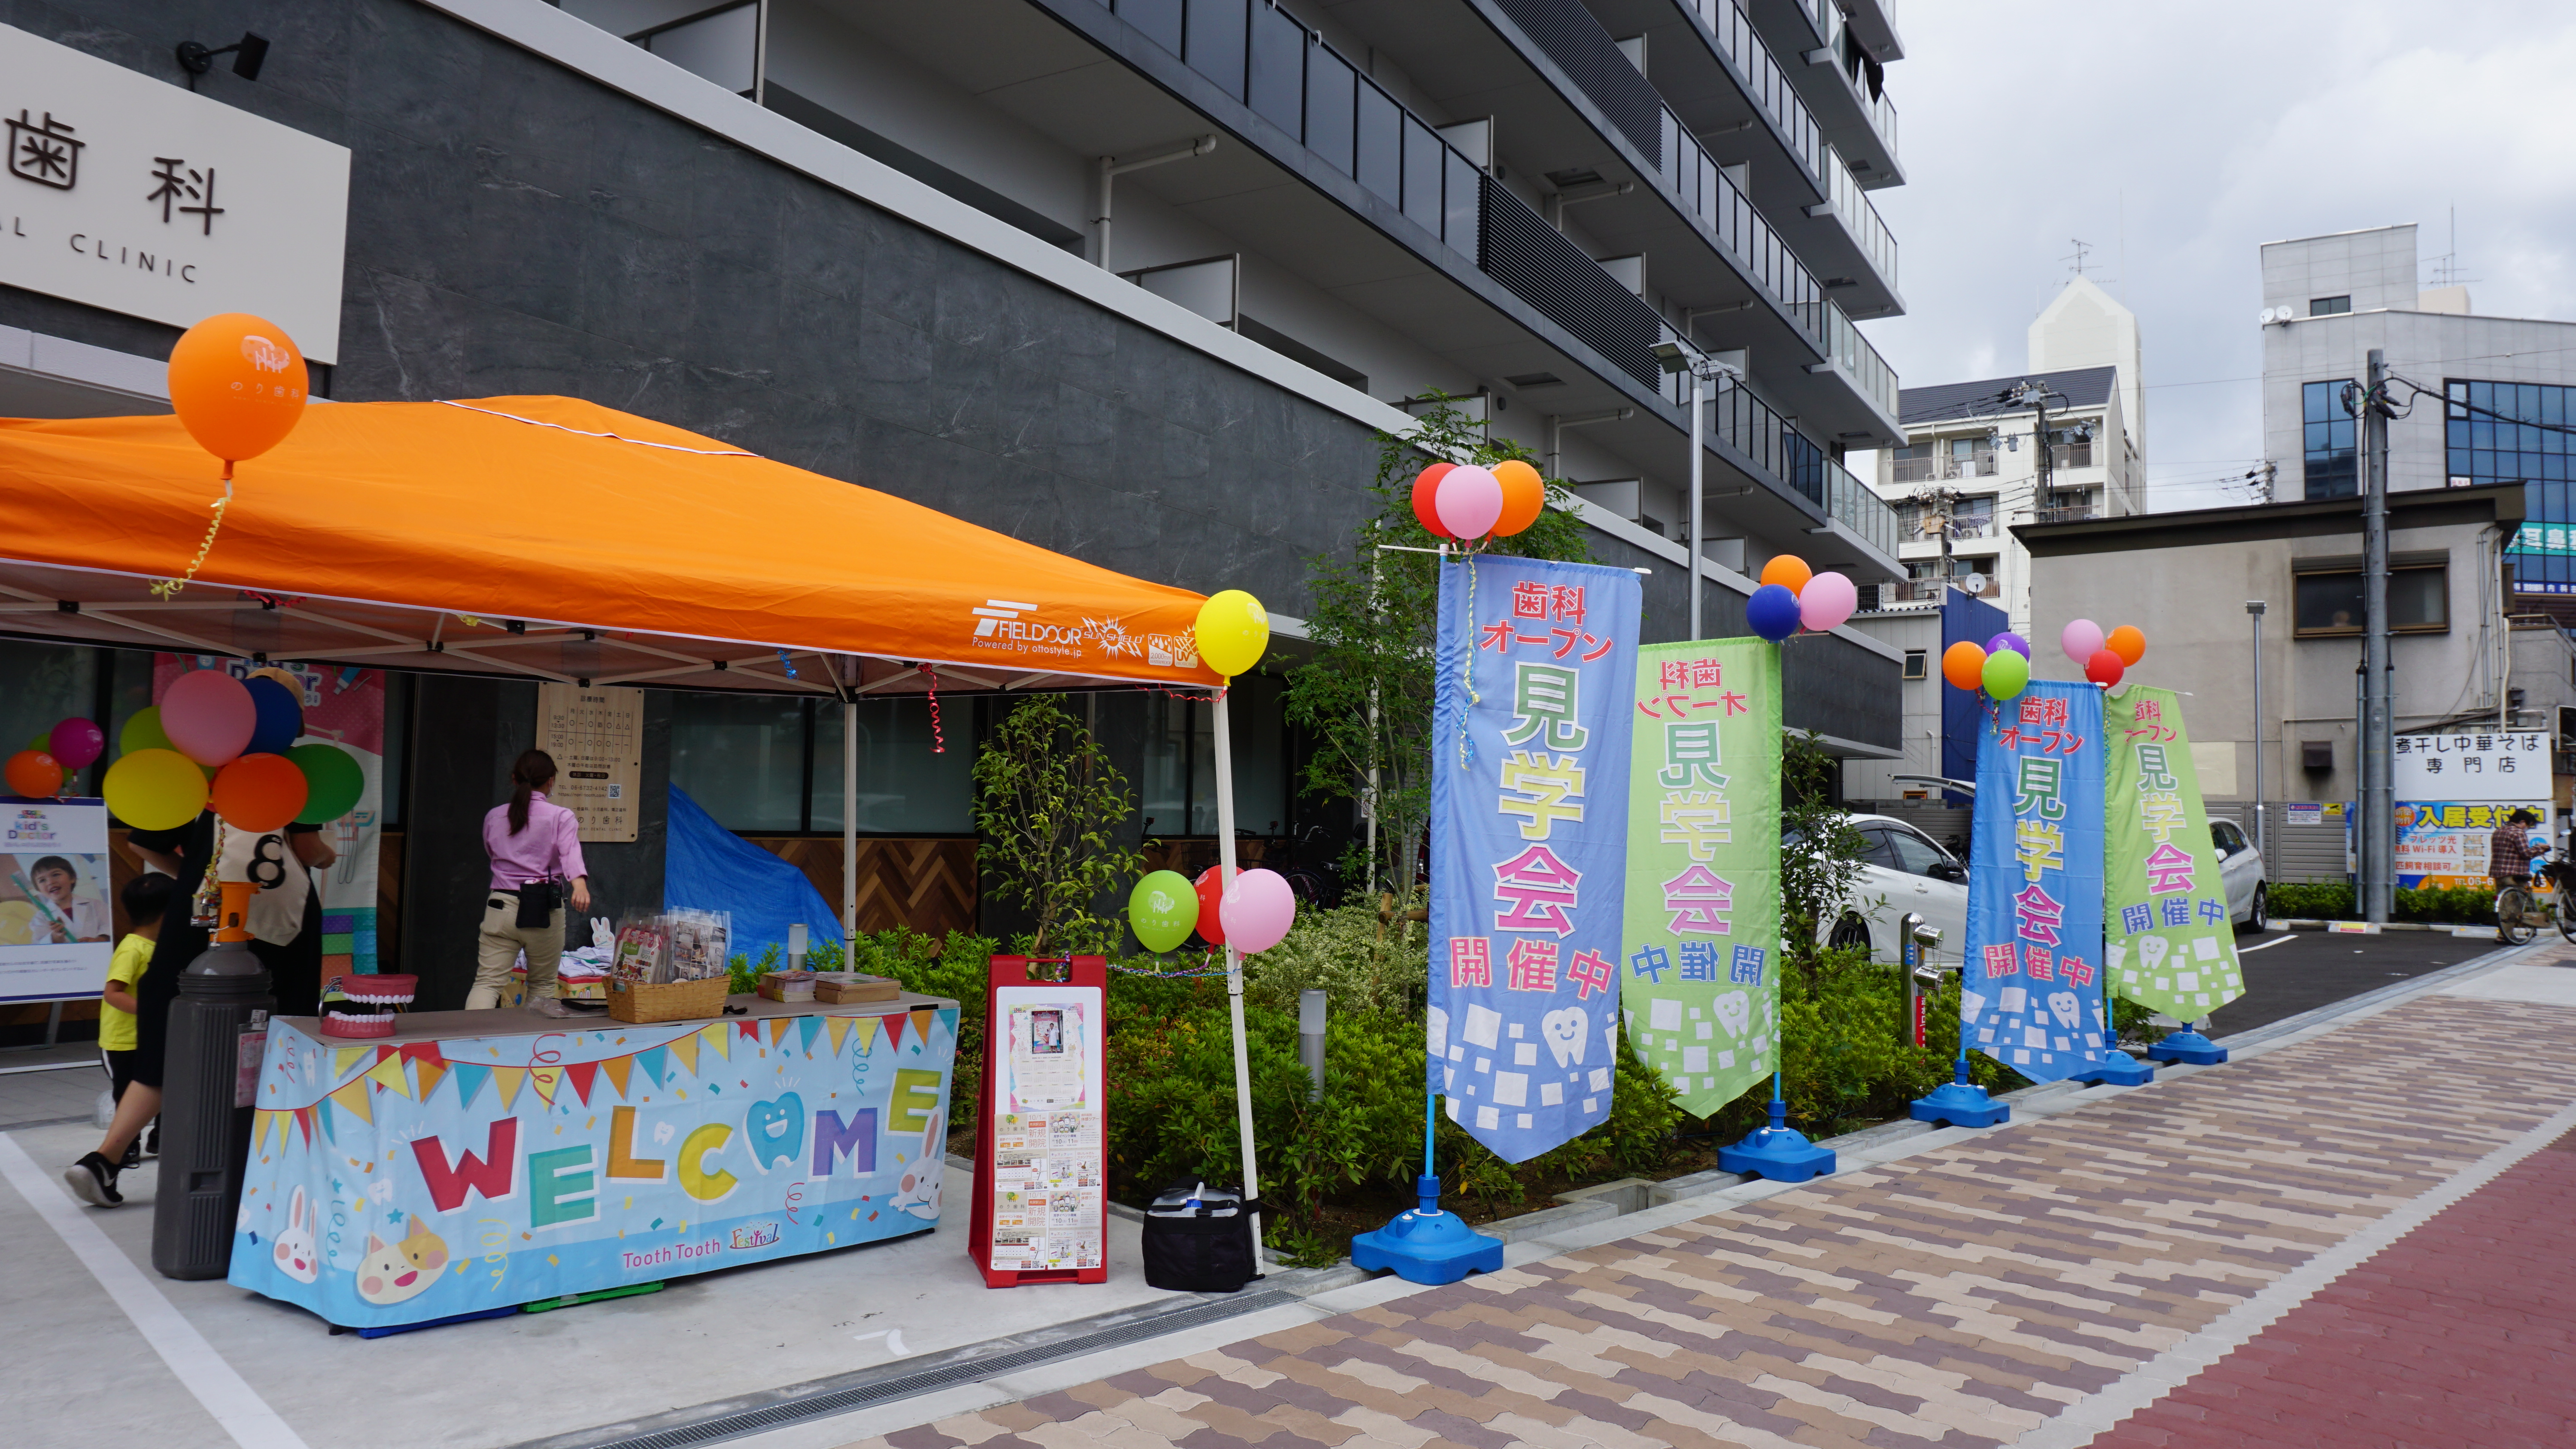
x=1529, y=834
x=2032, y=995
x=1701, y=995
x=2171, y=946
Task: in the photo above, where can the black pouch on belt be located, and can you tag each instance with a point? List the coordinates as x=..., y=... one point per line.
x=537, y=902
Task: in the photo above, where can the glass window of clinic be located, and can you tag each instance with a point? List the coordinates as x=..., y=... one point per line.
x=2519, y=432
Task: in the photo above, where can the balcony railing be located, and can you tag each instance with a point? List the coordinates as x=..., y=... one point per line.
x=2071, y=513
x=1922, y=591
x=1880, y=110
x=1859, y=216
x=1858, y=359
x=1764, y=80
x=1748, y=424
x=1943, y=469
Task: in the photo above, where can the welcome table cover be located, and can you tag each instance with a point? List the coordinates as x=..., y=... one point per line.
x=485, y=1159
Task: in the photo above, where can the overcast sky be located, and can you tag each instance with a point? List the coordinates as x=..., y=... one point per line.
x=2177, y=137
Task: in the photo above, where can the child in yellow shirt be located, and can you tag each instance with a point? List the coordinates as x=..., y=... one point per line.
x=146, y=899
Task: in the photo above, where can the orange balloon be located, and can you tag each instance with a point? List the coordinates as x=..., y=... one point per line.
x=2129, y=643
x=35, y=775
x=259, y=793
x=1788, y=571
x=1964, y=665
x=238, y=385
x=1524, y=495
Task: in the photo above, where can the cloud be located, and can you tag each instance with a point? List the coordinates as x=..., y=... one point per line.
x=2176, y=139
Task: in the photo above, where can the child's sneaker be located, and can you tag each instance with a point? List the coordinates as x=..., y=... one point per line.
x=152, y=1139
x=93, y=1179
x=133, y=1156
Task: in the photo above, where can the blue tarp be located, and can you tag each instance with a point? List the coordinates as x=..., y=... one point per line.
x=706, y=867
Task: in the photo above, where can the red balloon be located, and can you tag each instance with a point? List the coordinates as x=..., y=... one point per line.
x=2105, y=668
x=1211, y=888
x=35, y=775
x=1426, y=486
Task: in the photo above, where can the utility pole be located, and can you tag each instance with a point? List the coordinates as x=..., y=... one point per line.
x=2378, y=744
x=2255, y=608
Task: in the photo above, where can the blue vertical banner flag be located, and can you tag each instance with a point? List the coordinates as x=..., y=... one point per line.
x=1529, y=839
x=2032, y=997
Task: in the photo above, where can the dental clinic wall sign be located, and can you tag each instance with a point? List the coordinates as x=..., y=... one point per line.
x=128, y=192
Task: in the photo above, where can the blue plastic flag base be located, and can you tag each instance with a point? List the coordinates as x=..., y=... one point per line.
x=1778, y=1153
x=2122, y=1070
x=1427, y=1245
x=2188, y=1046
x=1960, y=1104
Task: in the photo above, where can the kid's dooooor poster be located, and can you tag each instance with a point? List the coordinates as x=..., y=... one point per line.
x=402, y=1181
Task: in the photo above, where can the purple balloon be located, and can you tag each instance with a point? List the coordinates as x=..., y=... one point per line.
x=2008, y=640
x=76, y=742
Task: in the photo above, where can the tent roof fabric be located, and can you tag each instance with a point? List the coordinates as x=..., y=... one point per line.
x=553, y=538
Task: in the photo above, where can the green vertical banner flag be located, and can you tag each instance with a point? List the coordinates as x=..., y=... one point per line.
x=1702, y=995
x=2169, y=946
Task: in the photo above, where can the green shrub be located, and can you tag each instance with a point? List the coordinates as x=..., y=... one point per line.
x=2467, y=905
x=1340, y=952
x=2334, y=901
x=2311, y=901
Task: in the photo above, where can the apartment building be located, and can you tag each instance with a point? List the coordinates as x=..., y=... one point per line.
x=1143, y=282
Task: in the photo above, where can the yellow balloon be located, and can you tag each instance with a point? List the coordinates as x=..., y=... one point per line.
x=1233, y=632
x=155, y=789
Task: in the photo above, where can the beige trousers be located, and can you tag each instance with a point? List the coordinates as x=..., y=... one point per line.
x=497, y=950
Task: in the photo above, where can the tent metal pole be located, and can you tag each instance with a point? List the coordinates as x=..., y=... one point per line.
x=1234, y=959
x=849, y=823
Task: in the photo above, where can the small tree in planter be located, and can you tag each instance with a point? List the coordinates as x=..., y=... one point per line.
x=1046, y=800
x=1820, y=854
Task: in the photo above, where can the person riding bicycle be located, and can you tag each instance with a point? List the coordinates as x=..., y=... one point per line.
x=2510, y=849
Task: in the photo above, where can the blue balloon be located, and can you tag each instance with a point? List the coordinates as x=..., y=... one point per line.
x=1772, y=612
x=2008, y=640
x=281, y=717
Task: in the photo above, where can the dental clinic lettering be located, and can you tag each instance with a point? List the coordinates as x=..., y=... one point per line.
x=48, y=152
x=563, y=1182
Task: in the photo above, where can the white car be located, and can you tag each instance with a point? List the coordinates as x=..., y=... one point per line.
x=1903, y=870
x=2240, y=867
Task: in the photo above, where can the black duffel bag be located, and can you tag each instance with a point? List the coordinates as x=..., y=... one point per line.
x=1198, y=1239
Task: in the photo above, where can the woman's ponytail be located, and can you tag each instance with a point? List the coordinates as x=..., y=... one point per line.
x=534, y=771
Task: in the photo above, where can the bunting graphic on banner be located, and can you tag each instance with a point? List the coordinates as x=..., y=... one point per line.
x=1537, y=666
x=2172, y=948
x=1702, y=992
x=2032, y=993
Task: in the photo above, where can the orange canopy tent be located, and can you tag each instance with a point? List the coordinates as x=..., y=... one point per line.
x=549, y=538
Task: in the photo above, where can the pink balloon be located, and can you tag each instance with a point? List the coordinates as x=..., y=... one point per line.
x=1470, y=501
x=209, y=715
x=76, y=742
x=1259, y=910
x=2081, y=639
x=1827, y=600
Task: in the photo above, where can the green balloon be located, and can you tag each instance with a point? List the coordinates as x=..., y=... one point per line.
x=43, y=743
x=1163, y=909
x=143, y=732
x=2007, y=674
x=332, y=782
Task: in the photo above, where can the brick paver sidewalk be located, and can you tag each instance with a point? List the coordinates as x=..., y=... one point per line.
x=1978, y=1292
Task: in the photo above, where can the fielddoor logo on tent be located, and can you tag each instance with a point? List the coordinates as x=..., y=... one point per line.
x=999, y=625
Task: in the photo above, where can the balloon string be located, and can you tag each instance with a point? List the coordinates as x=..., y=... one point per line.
x=1467, y=665
x=168, y=589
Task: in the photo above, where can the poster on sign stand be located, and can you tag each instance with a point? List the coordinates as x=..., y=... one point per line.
x=2454, y=790
x=1041, y=1210
x=56, y=927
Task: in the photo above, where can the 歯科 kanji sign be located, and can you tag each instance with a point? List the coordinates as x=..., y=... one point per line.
x=2032, y=993
x=1701, y=993
x=1529, y=811
x=2169, y=944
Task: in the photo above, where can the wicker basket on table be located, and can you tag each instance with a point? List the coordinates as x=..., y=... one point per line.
x=641, y=1001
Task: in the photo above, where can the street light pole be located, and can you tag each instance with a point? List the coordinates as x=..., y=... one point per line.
x=2255, y=607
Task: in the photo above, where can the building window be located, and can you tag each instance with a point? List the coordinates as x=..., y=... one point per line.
x=2330, y=469
x=766, y=764
x=2419, y=601
x=2329, y=306
x=2516, y=432
x=1918, y=664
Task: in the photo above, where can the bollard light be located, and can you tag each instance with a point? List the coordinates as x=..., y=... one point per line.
x=1310, y=1040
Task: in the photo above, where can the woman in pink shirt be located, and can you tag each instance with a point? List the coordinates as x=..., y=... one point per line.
x=535, y=847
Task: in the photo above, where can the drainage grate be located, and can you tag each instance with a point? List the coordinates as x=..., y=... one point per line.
x=904, y=1386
